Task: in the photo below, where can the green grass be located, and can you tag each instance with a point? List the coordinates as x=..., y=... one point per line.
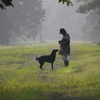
x=21, y=78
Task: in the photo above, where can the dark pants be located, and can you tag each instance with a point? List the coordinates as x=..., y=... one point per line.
x=66, y=62
x=65, y=51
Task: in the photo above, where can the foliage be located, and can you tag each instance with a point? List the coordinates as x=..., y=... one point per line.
x=5, y=3
x=23, y=20
x=91, y=28
x=28, y=19
x=68, y=2
x=88, y=6
x=5, y=27
x=21, y=78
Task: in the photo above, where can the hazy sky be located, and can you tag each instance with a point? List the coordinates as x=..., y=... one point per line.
x=59, y=15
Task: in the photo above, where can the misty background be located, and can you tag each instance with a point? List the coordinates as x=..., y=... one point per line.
x=41, y=20
x=61, y=16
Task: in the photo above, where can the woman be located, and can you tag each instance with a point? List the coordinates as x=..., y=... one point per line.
x=64, y=46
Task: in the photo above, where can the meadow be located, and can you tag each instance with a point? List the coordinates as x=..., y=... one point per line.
x=21, y=78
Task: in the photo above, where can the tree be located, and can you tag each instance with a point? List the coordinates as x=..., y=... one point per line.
x=91, y=5
x=5, y=3
x=91, y=29
x=25, y=19
x=5, y=28
x=88, y=6
x=68, y=2
x=24, y=16
x=58, y=16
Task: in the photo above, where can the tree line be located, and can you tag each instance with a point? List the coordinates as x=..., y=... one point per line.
x=22, y=21
x=27, y=19
x=5, y=3
x=91, y=29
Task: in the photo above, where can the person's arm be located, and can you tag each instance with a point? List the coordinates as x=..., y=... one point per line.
x=68, y=38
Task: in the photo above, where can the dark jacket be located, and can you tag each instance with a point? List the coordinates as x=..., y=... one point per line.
x=65, y=45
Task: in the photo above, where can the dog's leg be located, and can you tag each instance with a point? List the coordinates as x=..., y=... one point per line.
x=52, y=65
x=41, y=64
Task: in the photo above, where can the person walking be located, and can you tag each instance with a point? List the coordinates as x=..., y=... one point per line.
x=64, y=46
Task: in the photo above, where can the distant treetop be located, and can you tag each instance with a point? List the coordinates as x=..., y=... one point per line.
x=68, y=2
x=5, y=3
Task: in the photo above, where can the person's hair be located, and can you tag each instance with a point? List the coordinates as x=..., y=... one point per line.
x=63, y=31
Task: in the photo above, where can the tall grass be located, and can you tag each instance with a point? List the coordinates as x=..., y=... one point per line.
x=21, y=78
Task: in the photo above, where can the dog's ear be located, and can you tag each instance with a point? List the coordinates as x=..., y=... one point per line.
x=56, y=50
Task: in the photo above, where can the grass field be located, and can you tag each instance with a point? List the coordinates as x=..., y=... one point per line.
x=21, y=78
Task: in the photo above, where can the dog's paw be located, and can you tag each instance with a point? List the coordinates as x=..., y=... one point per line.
x=42, y=69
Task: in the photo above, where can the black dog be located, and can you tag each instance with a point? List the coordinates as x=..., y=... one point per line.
x=47, y=58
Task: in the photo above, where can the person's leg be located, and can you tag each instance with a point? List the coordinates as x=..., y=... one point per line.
x=66, y=62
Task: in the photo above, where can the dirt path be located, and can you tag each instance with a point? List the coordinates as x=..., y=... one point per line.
x=44, y=78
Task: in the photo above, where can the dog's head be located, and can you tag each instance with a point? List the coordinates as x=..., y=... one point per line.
x=55, y=50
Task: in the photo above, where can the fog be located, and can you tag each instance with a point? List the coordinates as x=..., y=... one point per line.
x=32, y=20
x=60, y=15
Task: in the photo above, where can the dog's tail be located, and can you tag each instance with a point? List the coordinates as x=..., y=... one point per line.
x=36, y=58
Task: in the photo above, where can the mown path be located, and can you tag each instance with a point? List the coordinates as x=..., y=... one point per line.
x=43, y=77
